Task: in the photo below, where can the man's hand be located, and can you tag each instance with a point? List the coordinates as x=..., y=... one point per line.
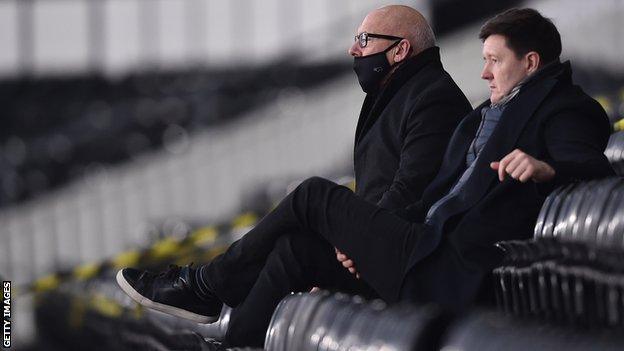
x=346, y=262
x=523, y=167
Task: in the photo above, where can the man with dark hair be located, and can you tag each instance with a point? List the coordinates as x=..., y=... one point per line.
x=537, y=131
x=525, y=30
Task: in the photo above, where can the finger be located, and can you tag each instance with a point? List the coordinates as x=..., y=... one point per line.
x=502, y=165
x=494, y=165
x=347, y=263
x=520, y=169
x=526, y=175
x=352, y=270
x=357, y=275
x=337, y=251
x=315, y=289
x=501, y=170
x=513, y=165
x=341, y=257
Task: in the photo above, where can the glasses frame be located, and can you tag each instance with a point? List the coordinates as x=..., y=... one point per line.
x=363, y=38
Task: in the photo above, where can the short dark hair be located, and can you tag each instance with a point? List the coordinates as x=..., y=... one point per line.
x=525, y=30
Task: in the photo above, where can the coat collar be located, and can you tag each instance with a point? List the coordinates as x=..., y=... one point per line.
x=374, y=104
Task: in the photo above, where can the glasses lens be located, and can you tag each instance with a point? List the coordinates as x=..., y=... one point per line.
x=363, y=39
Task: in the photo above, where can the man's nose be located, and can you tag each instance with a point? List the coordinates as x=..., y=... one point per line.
x=486, y=73
x=355, y=50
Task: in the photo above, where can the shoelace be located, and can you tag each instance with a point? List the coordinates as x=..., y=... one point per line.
x=171, y=272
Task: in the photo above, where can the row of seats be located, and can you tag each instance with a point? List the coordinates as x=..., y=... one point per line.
x=572, y=270
x=56, y=129
x=321, y=321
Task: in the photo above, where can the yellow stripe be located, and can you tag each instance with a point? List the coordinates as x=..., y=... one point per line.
x=605, y=102
x=126, y=259
x=165, y=247
x=202, y=236
x=619, y=125
x=244, y=220
x=46, y=283
x=106, y=306
x=86, y=271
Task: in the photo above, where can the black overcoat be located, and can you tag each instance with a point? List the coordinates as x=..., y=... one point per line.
x=403, y=131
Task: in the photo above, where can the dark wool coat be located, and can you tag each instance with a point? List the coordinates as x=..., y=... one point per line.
x=403, y=131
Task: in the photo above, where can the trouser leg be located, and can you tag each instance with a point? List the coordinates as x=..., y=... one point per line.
x=378, y=241
x=296, y=263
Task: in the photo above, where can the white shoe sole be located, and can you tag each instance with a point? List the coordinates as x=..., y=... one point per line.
x=175, y=311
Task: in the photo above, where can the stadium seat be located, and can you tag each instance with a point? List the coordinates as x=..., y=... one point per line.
x=321, y=321
x=571, y=271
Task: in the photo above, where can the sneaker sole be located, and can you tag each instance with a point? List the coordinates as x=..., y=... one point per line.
x=175, y=311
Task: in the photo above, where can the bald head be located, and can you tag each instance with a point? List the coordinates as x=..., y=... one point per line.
x=401, y=21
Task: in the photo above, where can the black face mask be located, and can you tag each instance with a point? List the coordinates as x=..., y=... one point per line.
x=371, y=69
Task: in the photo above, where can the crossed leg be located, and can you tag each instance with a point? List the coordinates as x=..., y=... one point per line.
x=291, y=249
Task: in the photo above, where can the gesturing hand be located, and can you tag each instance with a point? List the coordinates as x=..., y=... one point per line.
x=521, y=166
x=346, y=262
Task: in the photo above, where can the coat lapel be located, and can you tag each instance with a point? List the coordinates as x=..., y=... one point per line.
x=455, y=156
x=366, y=114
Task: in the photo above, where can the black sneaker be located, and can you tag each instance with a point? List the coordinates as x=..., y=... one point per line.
x=168, y=292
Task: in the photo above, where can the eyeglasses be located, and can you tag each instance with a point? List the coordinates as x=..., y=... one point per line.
x=364, y=37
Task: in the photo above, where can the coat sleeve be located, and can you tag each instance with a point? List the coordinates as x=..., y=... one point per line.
x=426, y=136
x=575, y=142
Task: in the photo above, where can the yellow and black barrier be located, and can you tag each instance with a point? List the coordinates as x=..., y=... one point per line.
x=84, y=308
x=198, y=245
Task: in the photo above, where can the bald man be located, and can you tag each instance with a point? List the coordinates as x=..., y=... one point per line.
x=411, y=108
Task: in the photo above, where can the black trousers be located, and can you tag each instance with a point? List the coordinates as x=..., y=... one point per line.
x=292, y=249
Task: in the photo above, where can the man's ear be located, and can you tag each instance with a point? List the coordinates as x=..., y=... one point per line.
x=533, y=62
x=402, y=50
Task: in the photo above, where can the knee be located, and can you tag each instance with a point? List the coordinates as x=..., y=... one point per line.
x=315, y=183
